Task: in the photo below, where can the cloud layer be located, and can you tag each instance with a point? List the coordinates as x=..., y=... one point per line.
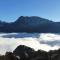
x=37, y=41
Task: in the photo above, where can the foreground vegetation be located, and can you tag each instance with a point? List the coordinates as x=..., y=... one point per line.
x=26, y=53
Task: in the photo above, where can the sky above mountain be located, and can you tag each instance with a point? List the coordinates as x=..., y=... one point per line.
x=10, y=10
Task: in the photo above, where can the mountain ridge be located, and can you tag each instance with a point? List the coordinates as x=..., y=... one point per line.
x=30, y=24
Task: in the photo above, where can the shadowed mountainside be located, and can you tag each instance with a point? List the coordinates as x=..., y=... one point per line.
x=30, y=24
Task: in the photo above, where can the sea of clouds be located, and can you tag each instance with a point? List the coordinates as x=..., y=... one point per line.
x=43, y=41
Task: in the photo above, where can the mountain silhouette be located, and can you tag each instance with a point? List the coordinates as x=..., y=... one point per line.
x=30, y=24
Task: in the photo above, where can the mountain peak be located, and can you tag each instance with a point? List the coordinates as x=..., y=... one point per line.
x=31, y=20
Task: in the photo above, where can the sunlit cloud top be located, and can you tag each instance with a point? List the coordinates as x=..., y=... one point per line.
x=9, y=44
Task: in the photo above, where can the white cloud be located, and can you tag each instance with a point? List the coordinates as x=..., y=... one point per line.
x=9, y=44
x=49, y=37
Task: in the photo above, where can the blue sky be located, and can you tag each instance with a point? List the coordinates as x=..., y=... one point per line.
x=10, y=10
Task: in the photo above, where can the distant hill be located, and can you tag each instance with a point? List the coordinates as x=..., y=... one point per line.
x=30, y=24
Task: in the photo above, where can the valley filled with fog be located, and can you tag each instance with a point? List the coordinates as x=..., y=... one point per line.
x=43, y=41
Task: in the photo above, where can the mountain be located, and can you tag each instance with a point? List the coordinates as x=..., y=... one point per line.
x=27, y=53
x=24, y=52
x=30, y=24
